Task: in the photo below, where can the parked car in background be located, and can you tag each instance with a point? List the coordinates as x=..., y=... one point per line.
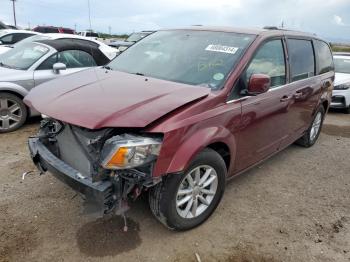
x=341, y=92
x=53, y=29
x=132, y=39
x=32, y=63
x=179, y=113
x=11, y=36
x=110, y=52
x=3, y=26
x=89, y=34
x=13, y=27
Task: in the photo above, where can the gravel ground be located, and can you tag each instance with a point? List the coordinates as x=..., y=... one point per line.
x=293, y=207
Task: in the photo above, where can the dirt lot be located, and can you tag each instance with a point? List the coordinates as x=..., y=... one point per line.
x=294, y=207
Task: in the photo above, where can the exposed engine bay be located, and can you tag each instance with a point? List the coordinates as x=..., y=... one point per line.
x=120, y=161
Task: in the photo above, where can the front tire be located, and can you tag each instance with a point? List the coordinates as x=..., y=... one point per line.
x=182, y=202
x=13, y=112
x=312, y=134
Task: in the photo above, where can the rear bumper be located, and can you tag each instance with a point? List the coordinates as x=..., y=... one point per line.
x=99, y=192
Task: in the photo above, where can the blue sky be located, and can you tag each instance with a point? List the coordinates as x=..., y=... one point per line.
x=327, y=18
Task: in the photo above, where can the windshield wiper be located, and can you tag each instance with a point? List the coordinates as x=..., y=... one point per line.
x=8, y=66
x=107, y=67
x=139, y=74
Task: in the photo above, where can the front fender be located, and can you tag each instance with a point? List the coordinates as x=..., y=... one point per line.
x=197, y=142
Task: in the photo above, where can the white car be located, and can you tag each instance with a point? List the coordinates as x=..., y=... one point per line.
x=341, y=92
x=89, y=34
x=110, y=52
x=30, y=63
x=12, y=36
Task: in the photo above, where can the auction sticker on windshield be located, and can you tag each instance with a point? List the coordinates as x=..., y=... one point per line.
x=222, y=49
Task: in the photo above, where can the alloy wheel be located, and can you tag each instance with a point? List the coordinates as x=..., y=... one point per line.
x=316, y=125
x=10, y=113
x=196, y=191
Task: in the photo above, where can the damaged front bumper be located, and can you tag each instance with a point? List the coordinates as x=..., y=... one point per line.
x=99, y=193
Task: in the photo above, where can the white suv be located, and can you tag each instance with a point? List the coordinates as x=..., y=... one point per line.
x=341, y=92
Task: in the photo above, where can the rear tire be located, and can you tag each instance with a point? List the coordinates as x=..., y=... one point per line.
x=13, y=112
x=347, y=110
x=165, y=198
x=311, y=135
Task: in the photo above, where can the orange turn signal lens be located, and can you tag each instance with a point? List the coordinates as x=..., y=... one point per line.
x=119, y=158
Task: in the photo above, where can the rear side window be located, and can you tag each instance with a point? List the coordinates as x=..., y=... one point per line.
x=301, y=57
x=324, y=55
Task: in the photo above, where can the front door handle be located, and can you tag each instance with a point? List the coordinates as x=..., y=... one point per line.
x=285, y=98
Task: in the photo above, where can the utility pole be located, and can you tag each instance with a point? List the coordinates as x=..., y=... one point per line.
x=110, y=30
x=14, y=11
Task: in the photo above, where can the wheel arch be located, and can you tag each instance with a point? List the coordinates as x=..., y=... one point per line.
x=217, y=138
x=14, y=89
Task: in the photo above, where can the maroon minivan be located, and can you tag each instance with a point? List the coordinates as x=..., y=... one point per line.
x=178, y=114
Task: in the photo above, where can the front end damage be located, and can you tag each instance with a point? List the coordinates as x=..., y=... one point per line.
x=107, y=166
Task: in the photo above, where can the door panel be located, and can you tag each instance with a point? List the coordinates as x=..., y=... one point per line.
x=306, y=88
x=306, y=95
x=263, y=116
x=262, y=126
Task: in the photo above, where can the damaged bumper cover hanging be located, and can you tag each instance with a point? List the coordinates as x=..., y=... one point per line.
x=105, y=168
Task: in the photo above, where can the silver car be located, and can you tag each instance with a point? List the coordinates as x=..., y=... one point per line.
x=32, y=63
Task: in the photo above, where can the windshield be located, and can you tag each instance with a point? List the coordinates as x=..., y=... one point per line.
x=31, y=39
x=24, y=56
x=342, y=65
x=192, y=57
x=136, y=37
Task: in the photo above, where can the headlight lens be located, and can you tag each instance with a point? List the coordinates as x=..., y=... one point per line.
x=342, y=86
x=129, y=151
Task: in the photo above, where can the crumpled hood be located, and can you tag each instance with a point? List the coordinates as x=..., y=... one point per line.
x=97, y=98
x=341, y=78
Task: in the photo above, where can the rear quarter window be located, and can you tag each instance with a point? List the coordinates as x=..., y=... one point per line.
x=324, y=55
x=302, y=59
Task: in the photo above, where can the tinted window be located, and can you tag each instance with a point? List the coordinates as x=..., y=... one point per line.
x=71, y=58
x=202, y=58
x=301, y=57
x=51, y=30
x=325, y=61
x=7, y=39
x=269, y=60
x=90, y=34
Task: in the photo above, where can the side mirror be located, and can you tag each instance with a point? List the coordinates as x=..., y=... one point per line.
x=258, y=84
x=57, y=67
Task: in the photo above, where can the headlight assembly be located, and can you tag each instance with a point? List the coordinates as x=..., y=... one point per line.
x=342, y=86
x=129, y=151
